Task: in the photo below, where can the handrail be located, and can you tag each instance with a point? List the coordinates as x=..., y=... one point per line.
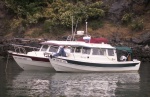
x=16, y=45
x=21, y=48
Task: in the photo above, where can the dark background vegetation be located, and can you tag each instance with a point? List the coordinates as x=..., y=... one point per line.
x=122, y=22
x=49, y=18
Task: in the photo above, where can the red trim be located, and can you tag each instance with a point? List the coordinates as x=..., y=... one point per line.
x=34, y=58
x=96, y=40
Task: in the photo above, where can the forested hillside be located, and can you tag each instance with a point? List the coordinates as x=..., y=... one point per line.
x=48, y=18
x=123, y=22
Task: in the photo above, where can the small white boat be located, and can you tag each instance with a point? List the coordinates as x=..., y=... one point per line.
x=35, y=59
x=91, y=57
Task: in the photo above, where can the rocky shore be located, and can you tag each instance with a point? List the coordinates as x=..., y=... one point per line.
x=140, y=45
x=6, y=44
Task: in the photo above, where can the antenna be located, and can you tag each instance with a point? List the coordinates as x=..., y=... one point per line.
x=72, y=27
x=86, y=28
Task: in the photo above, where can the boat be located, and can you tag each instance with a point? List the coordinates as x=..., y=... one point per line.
x=93, y=57
x=33, y=59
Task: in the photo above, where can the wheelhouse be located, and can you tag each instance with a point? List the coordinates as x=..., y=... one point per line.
x=95, y=53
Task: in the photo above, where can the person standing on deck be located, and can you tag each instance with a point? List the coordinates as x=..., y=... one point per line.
x=61, y=52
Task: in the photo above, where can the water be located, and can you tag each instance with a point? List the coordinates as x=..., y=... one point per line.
x=17, y=83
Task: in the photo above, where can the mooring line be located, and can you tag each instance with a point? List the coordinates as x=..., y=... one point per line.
x=6, y=63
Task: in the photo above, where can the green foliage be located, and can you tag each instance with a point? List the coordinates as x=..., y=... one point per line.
x=134, y=23
x=127, y=18
x=49, y=27
x=29, y=10
x=62, y=12
x=137, y=25
x=96, y=24
x=54, y=12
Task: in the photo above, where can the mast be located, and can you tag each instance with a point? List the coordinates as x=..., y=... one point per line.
x=86, y=28
x=72, y=26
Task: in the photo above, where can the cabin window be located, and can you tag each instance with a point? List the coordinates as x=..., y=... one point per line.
x=99, y=51
x=78, y=49
x=44, y=48
x=53, y=49
x=72, y=49
x=110, y=52
x=102, y=51
x=95, y=51
x=86, y=50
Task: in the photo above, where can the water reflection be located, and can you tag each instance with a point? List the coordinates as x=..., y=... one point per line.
x=144, y=80
x=95, y=84
x=30, y=84
x=72, y=84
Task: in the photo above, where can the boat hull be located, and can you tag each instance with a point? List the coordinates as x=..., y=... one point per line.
x=33, y=63
x=65, y=65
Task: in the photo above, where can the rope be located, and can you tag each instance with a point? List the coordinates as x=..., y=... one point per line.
x=7, y=63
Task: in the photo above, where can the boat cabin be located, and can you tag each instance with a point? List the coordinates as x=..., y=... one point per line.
x=94, y=53
x=45, y=51
x=84, y=51
x=49, y=49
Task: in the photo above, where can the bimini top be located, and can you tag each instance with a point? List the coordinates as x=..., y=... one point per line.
x=78, y=43
x=126, y=49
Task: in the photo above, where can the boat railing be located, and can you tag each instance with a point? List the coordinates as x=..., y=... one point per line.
x=23, y=49
x=73, y=37
x=69, y=38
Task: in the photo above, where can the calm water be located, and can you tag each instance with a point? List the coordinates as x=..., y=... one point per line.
x=17, y=83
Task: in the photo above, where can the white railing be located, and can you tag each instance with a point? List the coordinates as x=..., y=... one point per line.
x=23, y=49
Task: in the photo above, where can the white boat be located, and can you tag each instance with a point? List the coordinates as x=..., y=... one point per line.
x=91, y=57
x=35, y=59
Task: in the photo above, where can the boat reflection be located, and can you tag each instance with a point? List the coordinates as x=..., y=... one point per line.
x=71, y=84
x=30, y=84
x=91, y=85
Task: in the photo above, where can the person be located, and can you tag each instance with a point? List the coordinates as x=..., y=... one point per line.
x=67, y=50
x=123, y=58
x=61, y=52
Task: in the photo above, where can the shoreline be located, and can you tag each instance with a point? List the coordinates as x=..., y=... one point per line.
x=140, y=52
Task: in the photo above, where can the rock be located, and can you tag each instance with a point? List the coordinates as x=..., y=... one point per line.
x=142, y=39
x=5, y=44
x=117, y=9
x=146, y=47
x=136, y=40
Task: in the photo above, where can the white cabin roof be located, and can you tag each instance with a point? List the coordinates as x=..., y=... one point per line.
x=77, y=43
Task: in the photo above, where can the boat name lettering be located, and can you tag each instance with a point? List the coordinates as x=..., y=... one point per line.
x=64, y=61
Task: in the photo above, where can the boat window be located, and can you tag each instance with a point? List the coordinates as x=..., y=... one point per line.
x=95, y=51
x=72, y=49
x=78, y=49
x=99, y=51
x=110, y=52
x=53, y=49
x=44, y=48
x=102, y=51
x=86, y=50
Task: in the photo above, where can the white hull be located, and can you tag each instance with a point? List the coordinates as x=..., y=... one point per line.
x=63, y=66
x=26, y=63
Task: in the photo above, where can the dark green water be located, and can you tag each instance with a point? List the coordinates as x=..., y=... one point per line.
x=17, y=83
